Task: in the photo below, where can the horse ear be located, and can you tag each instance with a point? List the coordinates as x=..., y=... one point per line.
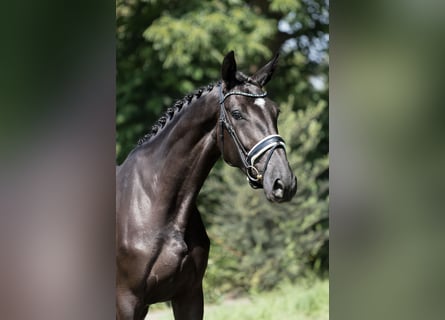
x=228, y=69
x=263, y=75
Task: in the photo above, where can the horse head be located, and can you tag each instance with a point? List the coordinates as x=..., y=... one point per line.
x=248, y=132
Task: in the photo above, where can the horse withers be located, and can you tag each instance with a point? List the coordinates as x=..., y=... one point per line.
x=161, y=243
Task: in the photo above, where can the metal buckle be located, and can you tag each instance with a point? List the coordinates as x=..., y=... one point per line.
x=253, y=174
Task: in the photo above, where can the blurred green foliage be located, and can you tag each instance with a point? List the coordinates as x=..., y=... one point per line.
x=166, y=50
x=306, y=300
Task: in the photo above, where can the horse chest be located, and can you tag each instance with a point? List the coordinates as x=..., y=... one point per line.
x=172, y=253
x=173, y=269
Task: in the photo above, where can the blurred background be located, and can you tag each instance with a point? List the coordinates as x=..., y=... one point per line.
x=387, y=160
x=166, y=50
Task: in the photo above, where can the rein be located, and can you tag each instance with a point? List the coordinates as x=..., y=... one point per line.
x=248, y=158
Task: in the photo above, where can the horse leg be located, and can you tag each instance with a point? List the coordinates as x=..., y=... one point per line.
x=189, y=306
x=128, y=307
x=125, y=305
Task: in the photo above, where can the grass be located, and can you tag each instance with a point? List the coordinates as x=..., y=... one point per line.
x=291, y=302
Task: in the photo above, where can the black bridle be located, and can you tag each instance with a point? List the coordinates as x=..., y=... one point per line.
x=248, y=158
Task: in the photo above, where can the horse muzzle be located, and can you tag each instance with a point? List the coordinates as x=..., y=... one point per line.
x=282, y=191
x=279, y=182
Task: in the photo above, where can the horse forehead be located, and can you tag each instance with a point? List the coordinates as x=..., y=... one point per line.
x=260, y=102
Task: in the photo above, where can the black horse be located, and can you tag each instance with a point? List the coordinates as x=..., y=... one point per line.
x=161, y=242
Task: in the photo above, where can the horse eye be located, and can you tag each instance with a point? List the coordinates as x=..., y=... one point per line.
x=237, y=115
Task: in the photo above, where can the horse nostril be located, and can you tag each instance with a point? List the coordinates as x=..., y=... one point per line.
x=278, y=189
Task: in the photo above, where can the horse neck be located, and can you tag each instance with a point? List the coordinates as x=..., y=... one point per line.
x=181, y=156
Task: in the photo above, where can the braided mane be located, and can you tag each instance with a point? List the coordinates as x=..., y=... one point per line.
x=170, y=112
x=177, y=106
